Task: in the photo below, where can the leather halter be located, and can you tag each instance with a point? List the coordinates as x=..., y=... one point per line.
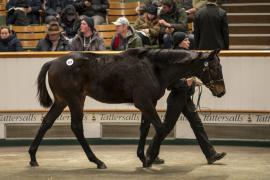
x=212, y=82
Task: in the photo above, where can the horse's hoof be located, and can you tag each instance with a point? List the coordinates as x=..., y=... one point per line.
x=101, y=166
x=33, y=163
x=146, y=163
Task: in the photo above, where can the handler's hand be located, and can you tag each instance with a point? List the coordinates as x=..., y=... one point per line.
x=196, y=81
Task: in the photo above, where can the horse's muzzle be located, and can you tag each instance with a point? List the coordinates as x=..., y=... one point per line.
x=221, y=94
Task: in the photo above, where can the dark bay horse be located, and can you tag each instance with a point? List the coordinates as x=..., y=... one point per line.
x=138, y=76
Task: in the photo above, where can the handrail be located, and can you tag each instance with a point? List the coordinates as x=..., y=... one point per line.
x=31, y=54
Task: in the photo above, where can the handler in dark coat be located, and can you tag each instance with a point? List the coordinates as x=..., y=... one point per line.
x=179, y=101
x=211, y=27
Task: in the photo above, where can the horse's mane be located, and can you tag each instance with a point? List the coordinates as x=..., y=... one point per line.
x=99, y=58
x=171, y=56
x=167, y=56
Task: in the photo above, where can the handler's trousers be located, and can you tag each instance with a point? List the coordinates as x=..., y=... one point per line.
x=179, y=101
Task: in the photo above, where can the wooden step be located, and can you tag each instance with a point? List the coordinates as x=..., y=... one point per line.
x=236, y=39
x=249, y=28
x=249, y=47
x=248, y=17
x=239, y=8
x=246, y=1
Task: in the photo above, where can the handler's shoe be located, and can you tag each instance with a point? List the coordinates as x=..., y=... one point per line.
x=158, y=161
x=215, y=157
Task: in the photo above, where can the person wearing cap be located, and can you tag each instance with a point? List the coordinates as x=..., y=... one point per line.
x=171, y=20
x=87, y=39
x=125, y=36
x=54, y=40
x=97, y=9
x=148, y=26
x=180, y=41
x=179, y=101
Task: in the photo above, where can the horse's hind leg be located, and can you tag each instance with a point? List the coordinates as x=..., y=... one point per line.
x=49, y=119
x=76, y=109
x=144, y=129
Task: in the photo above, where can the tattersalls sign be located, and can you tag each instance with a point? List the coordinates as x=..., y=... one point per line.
x=93, y=121
x=207, y=117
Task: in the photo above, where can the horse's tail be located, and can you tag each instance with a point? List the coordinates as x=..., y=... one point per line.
x=42, y=93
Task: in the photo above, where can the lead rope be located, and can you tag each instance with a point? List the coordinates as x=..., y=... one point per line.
x=198, y=106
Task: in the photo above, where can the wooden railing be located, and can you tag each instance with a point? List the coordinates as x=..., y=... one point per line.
x=237, y=53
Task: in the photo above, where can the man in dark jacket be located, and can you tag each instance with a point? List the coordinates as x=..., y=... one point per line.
x=54, y=40
x=172, y=19
x=93, y=8
x=211, y=27
x=23, y=12
x=9, y=41
x=54, y=7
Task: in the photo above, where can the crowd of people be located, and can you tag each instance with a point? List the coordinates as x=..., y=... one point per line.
x=160, y=23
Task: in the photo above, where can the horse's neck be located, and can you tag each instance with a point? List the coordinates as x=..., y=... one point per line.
x=177, y=71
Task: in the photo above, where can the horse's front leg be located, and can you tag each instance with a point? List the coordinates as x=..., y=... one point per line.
x=144, y=130
x=76, y=110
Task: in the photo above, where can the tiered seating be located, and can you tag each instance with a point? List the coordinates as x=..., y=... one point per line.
x=123, y=9
x=3, y=12
x=106, y=32
x=30, y=35
x=249, y=23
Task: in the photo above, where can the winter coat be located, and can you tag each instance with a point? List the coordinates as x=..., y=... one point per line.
x=177, y=18
x=152, y=25
x=10, y=44
x=132, y=40
x=211, y=28
x=70, y=26
x=96, y=43
x=98, y=7
x=46, y=45
x=33, y=16
x=54, y=7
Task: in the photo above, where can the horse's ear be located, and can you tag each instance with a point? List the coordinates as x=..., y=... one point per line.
x=138, y=52
x=142, y=52
x=212, y=54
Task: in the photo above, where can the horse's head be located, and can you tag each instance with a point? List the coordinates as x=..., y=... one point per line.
x=211, y=74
